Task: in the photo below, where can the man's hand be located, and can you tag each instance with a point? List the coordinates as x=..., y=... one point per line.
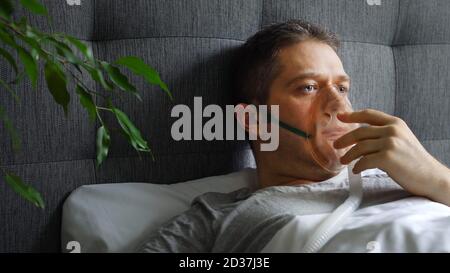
x=388, y=144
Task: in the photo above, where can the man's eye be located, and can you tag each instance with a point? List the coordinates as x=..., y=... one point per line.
x=308, y=88
x=343, y=89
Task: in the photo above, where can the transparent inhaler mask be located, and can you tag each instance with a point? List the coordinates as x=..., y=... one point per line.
x=325, y=127
x=322, y=128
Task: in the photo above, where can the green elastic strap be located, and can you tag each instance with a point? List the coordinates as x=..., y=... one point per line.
x=289, y=127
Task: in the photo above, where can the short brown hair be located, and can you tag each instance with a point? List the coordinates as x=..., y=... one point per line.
x=256, y=66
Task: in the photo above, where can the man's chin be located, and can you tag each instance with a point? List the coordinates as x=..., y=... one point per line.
x=322, y=173
x=317, y=173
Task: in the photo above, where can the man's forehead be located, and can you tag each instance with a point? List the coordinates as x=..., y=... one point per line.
x=298, y=72
x=311, y=61
x=313, y=73
x=296, y=66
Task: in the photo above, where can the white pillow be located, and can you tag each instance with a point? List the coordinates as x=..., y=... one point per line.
x=119, y=217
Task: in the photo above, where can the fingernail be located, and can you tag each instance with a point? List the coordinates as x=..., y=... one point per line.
x=341, y=115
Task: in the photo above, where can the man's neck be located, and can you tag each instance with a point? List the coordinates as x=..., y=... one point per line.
x=267, y=177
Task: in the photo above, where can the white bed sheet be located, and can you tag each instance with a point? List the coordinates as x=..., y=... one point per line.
x=409, y=225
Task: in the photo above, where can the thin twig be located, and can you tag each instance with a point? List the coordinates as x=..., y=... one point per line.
x=103, y=108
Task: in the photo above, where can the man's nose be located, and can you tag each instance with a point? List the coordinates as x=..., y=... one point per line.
x=334, y=102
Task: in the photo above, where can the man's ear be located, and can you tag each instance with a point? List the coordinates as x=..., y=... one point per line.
x=247, y=118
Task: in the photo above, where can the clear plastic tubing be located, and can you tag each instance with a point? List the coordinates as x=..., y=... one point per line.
x=331, y=225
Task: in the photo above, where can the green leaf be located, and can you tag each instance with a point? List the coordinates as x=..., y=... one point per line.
x=59, y=45
x=87, y=102
x=37, y=37
x=12, y=92
x=119, y=79
x=6, y=9
x=7, y=38
x=35, y=54
x=9, y=58
x=103, y=141
x=68, y=54
x=34, y=46
x=63, y=50
x=27, y=192
x=34, y=6
x=131, y=131
x=83, y=48
x=57, y=85
x=34, y=33
x=11, y=130
x=21, y=24
x=30, y=65
x=97, y=75
x=138, y=67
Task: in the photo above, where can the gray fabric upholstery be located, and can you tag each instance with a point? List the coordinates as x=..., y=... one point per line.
x=398, y=55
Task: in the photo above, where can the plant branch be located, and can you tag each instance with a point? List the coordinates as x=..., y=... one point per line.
x=104, y=108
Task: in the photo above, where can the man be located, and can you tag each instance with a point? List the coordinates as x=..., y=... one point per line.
x=289, y=65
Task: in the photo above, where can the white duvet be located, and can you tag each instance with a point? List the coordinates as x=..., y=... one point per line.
x=412, y=224
x=102, y=218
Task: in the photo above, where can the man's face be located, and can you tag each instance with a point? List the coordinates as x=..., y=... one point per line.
x=311, y=85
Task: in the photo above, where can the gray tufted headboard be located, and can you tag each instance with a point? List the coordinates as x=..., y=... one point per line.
x=397, y=53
